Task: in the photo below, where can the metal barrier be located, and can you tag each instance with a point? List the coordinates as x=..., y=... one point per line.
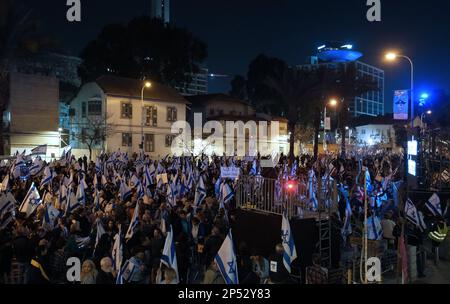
x=272, y=196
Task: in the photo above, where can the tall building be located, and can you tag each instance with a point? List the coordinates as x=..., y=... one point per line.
x=333, y=55
x=198, y=84
x=160, y=9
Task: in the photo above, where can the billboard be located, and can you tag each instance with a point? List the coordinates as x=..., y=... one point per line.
x=401, y=103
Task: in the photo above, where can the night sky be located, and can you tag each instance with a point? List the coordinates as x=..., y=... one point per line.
x=236, y=31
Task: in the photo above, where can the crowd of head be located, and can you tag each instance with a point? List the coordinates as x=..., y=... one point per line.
x=127, y=198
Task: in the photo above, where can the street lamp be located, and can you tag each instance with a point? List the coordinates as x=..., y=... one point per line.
x=393, y=56
x=146, y=85
x=332, y=102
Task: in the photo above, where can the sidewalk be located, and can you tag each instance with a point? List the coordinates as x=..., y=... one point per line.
x=439, y=274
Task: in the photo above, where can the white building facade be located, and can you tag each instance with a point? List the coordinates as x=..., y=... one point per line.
x=382, y=135
x=117, y=103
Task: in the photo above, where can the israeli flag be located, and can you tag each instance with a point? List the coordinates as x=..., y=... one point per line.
x=98, y=166
x=200, y=193
x=48, y=176
x=411, y=212
x=7, y=210
x=254, y=169
x=290, y=253
x=81, y=195
x=133, y=224
x=218, y=187
x=171, y=196
x=374, y=229
x=226, y=193
x=311, y=190
x=31, y=201
x=140, y=192
x=125, y=191
x=96, y=201
x=72, y=202
x=50, y=216
x=117, y=251
x=16, y=167
x=62, y=195
x=134, y=182
x=368, y=181
x=39, y=150
x=100, y=231
x=422, y=225
x=169, y=256
x=294, y=169
x=226, y=260
x=36, y=167
x=434, y=205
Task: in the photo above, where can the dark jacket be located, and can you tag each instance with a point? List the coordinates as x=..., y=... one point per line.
x=105, y=278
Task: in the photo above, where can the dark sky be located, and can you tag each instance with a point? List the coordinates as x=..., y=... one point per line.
x=236, y=31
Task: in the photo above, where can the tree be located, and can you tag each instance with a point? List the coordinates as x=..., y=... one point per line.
x=348, y=85
x=238, y=87
x=94, y=132
x=293, y=88
x=143, y=48
x=19, y=37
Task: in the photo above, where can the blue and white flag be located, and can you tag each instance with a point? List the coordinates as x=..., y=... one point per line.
x=434, y=205
x=7, y=209
x=37, y=165
x=125, y=191
x=81, y=195
x=170, y=194
x=51, y=214
x=200, y=193
x=290, y=253
x=218, y=187
x=133, y=224
x=140, y=192
x=72, y=202
x=226, y=193
x=100, y=231
x=374, y=229
x=39, y=150
x=411, y=212
x=254, y=169
x=31, y=201
x=169, y=256
x=117, y=251
x=98, y=166
x=17, y=166
x=62, y=195
x=48, y=177
x=226, y=260
x=134, y=181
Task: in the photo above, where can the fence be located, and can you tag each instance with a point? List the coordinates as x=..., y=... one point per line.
x=272, y=196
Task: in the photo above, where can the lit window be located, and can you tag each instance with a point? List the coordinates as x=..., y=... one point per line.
x=127, y=110
x=149, y=143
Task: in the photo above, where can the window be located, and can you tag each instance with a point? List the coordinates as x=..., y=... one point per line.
x=95, y=107
x=151, y=116
x=83, y=109
x=127, y=140
x=149, y=143
x=127, y=110
x=171, y=114
x=363, y=131
x=169, y=140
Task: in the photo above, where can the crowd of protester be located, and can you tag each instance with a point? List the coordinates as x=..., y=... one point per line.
x=31, y=252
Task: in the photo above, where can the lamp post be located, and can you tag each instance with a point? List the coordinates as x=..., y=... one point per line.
x=392, y=57
x=147, y=85
x=333, y=103
x=421, y=119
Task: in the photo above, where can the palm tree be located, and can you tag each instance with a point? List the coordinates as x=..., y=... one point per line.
x=293, y=87
x=348, y=85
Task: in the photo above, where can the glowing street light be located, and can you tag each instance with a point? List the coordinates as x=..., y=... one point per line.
x=391, y=56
